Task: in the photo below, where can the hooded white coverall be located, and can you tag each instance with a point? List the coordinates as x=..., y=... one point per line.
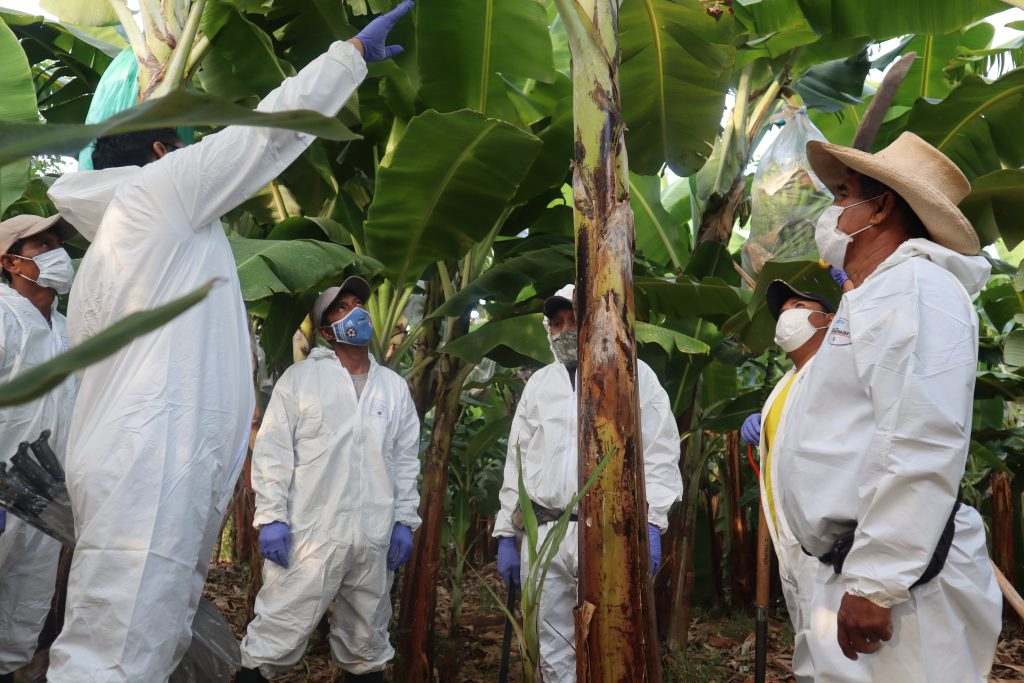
x=28, y=557
x=881, y=445
x=797, y=571
x=161, y=427
x=340, y=470
x=544, y=427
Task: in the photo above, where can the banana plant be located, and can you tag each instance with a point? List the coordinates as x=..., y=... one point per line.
x=167, y=46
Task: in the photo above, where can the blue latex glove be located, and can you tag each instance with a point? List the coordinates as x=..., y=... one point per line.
x=751, y=430
x=400, y=549
x=375, y=35
x=839, y=275
x=3, y=520
x=654, y=537
x=508, y=560
x=276, y=542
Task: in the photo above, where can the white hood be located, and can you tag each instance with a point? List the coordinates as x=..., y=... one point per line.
x=972, y=271
x=82, y=198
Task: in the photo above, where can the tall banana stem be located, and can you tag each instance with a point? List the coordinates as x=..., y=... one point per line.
x=174, y=73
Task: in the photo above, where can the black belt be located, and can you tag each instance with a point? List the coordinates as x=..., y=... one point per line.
x=545, y=515
x=841, y=548
x=542, y=514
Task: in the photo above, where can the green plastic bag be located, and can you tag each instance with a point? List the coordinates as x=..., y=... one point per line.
x=118, y=90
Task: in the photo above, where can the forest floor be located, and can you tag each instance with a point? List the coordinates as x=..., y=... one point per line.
x=720, y=650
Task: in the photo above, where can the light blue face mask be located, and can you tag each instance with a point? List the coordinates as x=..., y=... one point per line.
x=355, y=329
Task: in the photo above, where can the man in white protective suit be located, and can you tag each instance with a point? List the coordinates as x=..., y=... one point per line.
x=801, y=321
x=161, y=427
x=334, y=469
x=35, y=270
x=545, y=431
x=869, y=465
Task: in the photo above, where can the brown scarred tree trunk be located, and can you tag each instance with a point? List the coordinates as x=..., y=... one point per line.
x=419, y=590
x=615, y=629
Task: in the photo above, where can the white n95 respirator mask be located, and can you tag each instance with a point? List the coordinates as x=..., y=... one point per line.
x=794, y=328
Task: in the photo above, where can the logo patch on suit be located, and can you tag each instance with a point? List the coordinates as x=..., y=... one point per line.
x=839, y=335
x=378, y=408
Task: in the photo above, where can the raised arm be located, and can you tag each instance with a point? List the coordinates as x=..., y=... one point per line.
x=224, y=169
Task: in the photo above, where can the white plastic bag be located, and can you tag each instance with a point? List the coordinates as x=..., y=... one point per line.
x=786, y=196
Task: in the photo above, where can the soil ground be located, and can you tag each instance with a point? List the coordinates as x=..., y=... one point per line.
x=720, y=649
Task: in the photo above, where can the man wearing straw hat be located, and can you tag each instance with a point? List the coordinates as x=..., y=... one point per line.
x=869, y=474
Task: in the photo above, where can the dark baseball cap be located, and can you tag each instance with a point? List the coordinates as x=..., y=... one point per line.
x=780, y=291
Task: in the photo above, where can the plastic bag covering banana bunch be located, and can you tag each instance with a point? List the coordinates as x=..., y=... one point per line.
x=786, y=197
x=33, y=488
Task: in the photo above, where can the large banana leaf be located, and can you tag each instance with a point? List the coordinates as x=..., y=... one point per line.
x=774, y=27
x=309, y=27
x=544, y=270
x=712, y=299
x=179, y=108
x=660, y=239
x=450, y=180
x=465, y=47
x=883, y=19
x=977, y=125
x=676, y=67
x=245, y=47
x=267, y=268
x=927, y=77
x=17, y=103
x=40, y=379
x=513, y=340
x=995, y=206
x=67, y=61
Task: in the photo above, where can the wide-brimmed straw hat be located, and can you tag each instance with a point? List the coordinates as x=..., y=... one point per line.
x=921, y=174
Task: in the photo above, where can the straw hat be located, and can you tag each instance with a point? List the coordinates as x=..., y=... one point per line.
x=921, y=174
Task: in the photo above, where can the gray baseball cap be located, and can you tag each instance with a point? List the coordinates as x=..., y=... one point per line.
x=353, y=283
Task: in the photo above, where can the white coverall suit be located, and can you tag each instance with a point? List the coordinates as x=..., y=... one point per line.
x=545, y=429
x=28, y=557
x=881, y=443
x=340, y=470
x=798, y=571
x=161, y=427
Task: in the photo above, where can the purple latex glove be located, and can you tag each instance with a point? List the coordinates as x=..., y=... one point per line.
x=3, y=520
x=508, y=560
x=400, y=549
x=839, y=275
x=276, y=542
x=751, y=430
x=654, y=538
x=375, y=35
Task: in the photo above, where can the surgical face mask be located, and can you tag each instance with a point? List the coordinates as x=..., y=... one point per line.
x=564, y=345
x=55, y=270
x=795, y=329
x=355, y=329
x=833, y=242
